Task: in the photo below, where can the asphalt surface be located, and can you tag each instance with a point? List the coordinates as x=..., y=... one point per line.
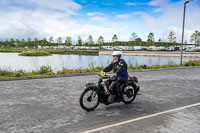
x=52, y=105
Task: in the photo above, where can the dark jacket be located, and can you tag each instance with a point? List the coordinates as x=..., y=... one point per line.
x=120, y=68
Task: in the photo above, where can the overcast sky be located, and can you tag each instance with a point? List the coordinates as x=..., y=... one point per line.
x=61, y=18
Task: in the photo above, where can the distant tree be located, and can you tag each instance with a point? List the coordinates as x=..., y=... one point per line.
x=23, y=42
x=36, y=42
x=133, y=36
x=100, y=40
x=17, y=42
x=44, y=42
x=1, y=43
x=150, y=37
x=79, y=41
x=29, y=42
x=59, y=40
x=6, y=43
x=138, y=41
x=114, y=38
x=90, y=40
x=51, y=39
x=185, y=42
x=195, y=37
x=172, y=37
x=68, y=41
x=150, y=40
x=12, y=41
x=159, y=43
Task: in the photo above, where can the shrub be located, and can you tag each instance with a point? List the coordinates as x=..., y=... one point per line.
x=4, y=73
x=45, y=70
x=19, y=73
x=192, y=63
x=143, y=66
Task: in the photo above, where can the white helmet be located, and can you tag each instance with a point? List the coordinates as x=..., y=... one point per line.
x=117, y=53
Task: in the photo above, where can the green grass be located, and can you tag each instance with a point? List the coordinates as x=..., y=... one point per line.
x=45, y=52
x=74, y=71
x=44, y=70
x=12, y=49
x=34, y=53
x=76, y=52
x=47, y=70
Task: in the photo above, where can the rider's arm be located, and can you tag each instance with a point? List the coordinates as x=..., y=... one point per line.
x=108, y=68
x=122, y=67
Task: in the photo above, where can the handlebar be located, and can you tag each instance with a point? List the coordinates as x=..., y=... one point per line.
x=106, y=76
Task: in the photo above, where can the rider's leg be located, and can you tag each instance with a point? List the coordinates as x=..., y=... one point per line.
x=113, y=85
x=119, y=91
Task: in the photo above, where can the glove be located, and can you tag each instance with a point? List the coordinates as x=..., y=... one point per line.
x=102, y=74
x=114, y=75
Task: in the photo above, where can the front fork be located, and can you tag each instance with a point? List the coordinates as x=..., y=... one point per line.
x=93, y=95
x=105, y=88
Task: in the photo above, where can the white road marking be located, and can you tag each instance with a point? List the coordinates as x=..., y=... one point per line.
x=140, y=118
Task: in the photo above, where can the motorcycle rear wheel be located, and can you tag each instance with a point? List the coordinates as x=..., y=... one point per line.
x=89, y=99
x=129, y=94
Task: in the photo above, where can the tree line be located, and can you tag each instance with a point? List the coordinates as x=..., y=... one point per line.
x=135, y=40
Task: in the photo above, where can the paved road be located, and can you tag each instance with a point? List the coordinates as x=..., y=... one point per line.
x=51, y=105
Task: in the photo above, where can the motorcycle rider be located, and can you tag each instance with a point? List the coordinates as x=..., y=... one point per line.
x=119, y=68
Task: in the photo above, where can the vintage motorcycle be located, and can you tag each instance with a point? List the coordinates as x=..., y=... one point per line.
x=95, y=93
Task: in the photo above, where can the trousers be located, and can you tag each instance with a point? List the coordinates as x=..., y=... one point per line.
x=115, y=86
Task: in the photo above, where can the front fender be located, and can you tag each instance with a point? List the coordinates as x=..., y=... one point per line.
x=91, y=85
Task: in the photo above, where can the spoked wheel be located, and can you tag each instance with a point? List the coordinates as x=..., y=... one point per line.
x=89, y=99
x=129, y=95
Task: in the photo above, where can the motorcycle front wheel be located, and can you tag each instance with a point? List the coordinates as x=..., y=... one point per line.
x=89, y=99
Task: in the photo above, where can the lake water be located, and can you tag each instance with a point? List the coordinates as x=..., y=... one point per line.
x=11, y=61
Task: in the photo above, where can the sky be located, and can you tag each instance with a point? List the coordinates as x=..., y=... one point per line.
x=61, y=18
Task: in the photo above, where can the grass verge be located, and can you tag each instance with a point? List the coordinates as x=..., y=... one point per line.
x=47, y=70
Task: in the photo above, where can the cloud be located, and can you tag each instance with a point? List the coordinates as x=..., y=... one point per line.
x=128, y=15
x=58, y=18
x=172, y=16
x=158, y=10
x=178, y=33
x=158, y=2
x=131, y=4
x=123, y=16
x=41, y=24
x=64, y=5
x=98, y=18
x=94, y=13
x=45, y=20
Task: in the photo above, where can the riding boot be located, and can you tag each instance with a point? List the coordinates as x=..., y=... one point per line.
x=119, y=93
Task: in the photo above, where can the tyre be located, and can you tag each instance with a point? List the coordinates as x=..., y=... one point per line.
x=129, y=94
x=89, y=99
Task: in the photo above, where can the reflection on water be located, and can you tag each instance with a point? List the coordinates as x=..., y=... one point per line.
x=58, y=62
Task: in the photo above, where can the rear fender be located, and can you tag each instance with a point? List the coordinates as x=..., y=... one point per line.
x=136, y=88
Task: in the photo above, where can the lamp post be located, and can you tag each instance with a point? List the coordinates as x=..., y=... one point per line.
x=183, y=31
